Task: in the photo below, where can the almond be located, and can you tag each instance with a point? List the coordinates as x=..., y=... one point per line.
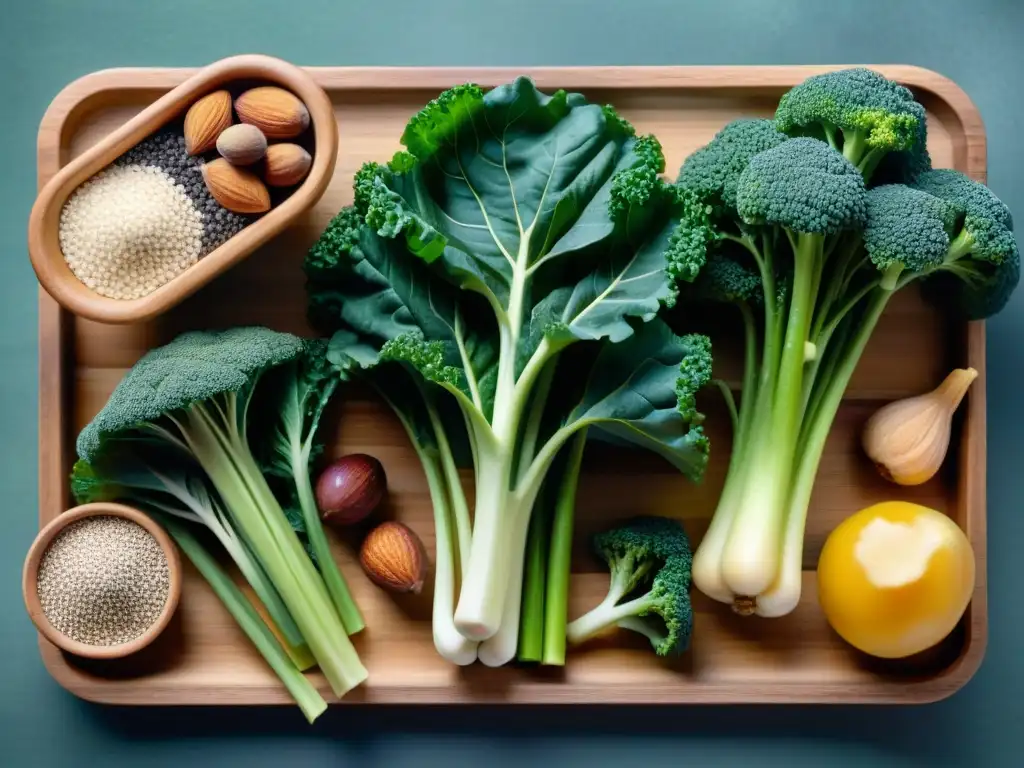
x=236, y=189
x=287, y=165
x=204, y=121
x=275, y=111
x=242, y=144
x=394, y=558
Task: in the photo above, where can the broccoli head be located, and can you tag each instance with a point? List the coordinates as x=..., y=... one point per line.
x=194, y=367
x=907, y=229
x=804, y=186
x=713, y=172
x=858, y=111
x=650, y=560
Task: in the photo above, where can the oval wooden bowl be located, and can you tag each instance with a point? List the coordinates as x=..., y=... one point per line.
x=43, y=238
x=31, y=569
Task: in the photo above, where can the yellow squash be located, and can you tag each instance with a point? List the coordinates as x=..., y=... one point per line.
x=895, y=578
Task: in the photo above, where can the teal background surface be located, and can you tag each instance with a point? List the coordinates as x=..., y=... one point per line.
x=44, y=44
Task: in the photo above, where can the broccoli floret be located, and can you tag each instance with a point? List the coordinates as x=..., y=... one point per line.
x=803, y=185
x=858, y=111
x=649, y=559
x=981, y=267
x=713, y=172
x=987, y=221
x=194, y=367
x=727, y=279
x=907, y=229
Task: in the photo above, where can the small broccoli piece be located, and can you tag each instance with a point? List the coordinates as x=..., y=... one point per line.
x=648, y=557
x=858, y=111
x=803, y=185
x=907, y=229
x=981, y=268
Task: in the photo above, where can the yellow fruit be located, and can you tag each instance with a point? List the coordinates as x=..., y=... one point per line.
x=895, y=578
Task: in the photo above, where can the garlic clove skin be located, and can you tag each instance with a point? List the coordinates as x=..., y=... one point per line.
x=908, y=439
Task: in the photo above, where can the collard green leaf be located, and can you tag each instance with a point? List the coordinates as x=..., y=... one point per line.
x=514, y=179
x=643, y=392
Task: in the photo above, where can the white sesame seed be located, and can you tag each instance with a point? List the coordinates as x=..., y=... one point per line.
x=103, y=580
x=125, y=222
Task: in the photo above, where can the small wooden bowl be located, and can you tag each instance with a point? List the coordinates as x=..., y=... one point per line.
x=43, y=230
x=38, y=548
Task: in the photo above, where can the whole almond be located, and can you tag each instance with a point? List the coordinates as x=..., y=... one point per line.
x=242, y=144
x=275, y=111
x=205, y=120
x=287, y=165
x=234, y=188
x=394, y=558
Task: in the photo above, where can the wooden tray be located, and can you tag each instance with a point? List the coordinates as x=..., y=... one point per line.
x=204, y=659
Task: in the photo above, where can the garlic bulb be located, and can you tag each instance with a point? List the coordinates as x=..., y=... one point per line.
x=908, y=439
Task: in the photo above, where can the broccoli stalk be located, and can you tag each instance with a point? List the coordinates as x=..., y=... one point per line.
x=649, y=562
x=831, y=246
x=305, y=694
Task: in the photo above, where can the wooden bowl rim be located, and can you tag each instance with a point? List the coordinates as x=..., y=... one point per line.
x=43, y=540
x=47, y=260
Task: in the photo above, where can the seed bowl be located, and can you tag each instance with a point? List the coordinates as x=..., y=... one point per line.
x=234, y=74
x=31, y=575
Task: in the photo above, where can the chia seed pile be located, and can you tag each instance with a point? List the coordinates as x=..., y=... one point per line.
x=103, y=580
x=142, y=221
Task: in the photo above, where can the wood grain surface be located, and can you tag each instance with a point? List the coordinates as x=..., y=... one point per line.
x=204, y=659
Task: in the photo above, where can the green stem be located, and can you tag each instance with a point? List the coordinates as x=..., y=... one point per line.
x=306, y=696
x=607, y=614
x=528, y=446
x=962, y=245
x=730, y=403
x=854, y=146
x=784, y=593
x=748, y=243
x=256, y=512
x=830, y=135
x=531, y=618
x=456, y=494
x=706, y=571
x=450, y=552
x=335, y=582
x=870, y=162
x=750, y=559
x=556, y=598
x=213, y=517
